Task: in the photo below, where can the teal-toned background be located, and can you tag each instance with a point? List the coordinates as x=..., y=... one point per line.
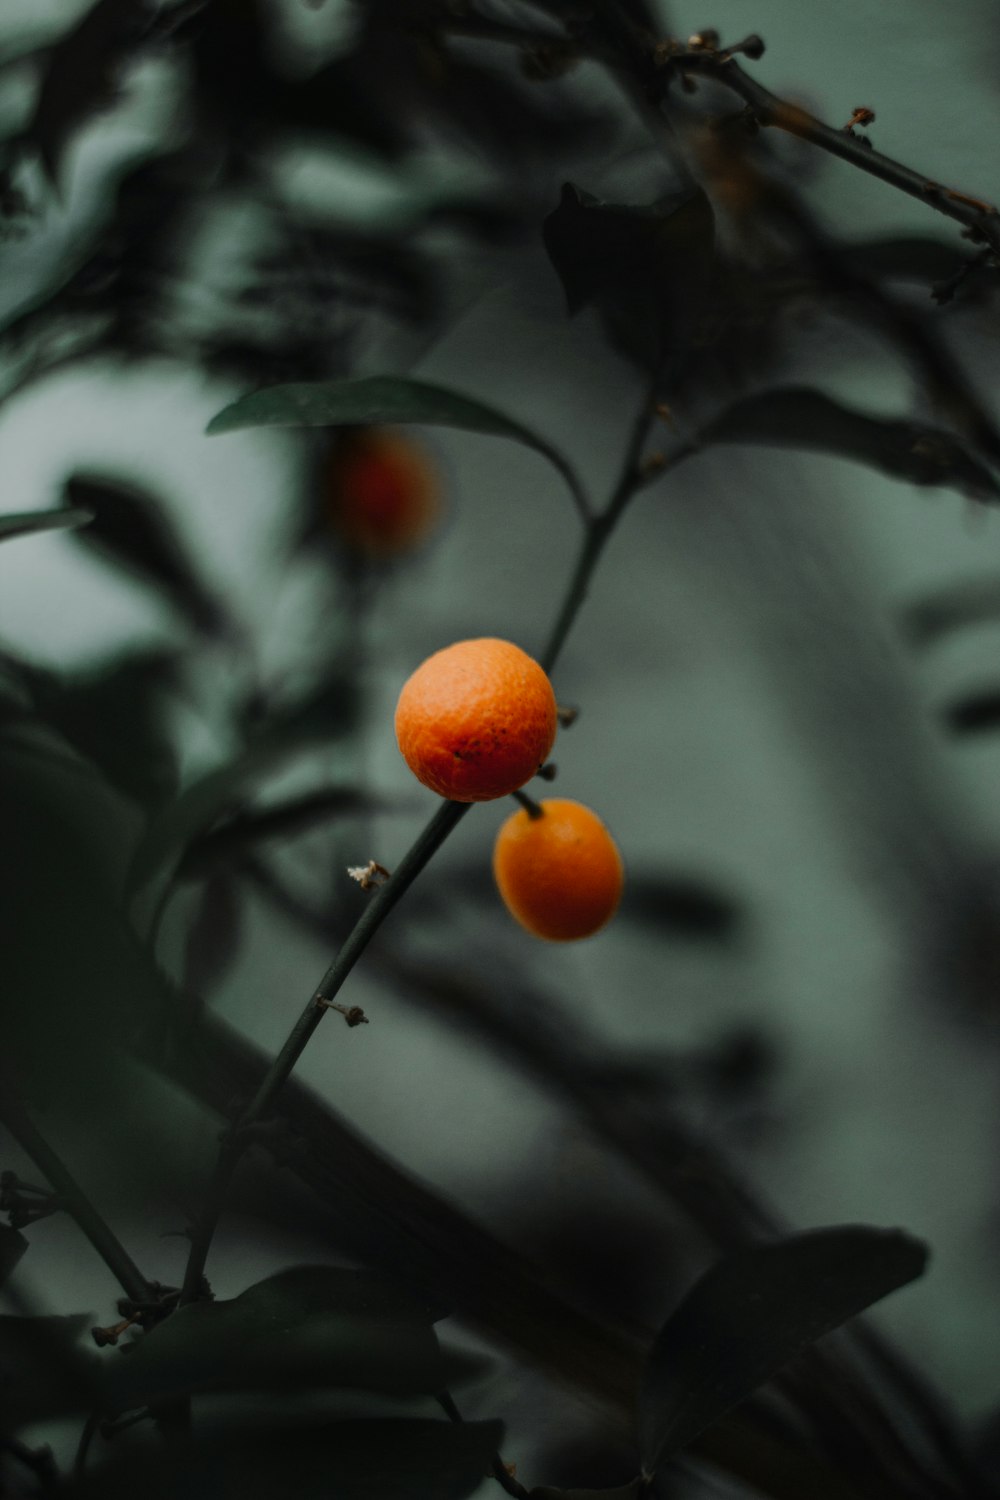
x=750, y=712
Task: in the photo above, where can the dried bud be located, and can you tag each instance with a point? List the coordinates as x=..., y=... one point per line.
x=370, y=875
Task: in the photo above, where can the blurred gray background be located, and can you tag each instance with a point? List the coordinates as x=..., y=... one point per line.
x=750, y=712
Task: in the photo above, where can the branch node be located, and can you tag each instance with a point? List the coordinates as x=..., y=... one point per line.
x=352, y=1014
x=369, y=876
x=860, y=117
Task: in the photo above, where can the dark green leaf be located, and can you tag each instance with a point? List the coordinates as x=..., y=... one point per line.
x=129, y=528
x=754, y=1311
x=309, y=1326
x=23, y=523
x=799, y=417
x=43, y=1370
x=347, y=1460
x=213, y=939
x=647, y=268
x=68, y=837
x=906, y=258
x=117, y=716
x=328, y=712
x=380, y=398
x=12, y=1246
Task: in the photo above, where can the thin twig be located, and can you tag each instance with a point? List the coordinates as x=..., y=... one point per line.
x=501, y=1473
x=979, y=217
x=73, y=1199
x=445, y=819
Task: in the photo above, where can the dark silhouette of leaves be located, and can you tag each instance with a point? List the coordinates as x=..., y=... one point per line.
x=647, y=268
x=800, y=417
x=130, y=529
x=246, y=831
x=306, y=1326
x=44, y=1370
x=752, y=1313
x=117, y=717
x=364, y=1459
x=213, y=938
x=12, y=1246
x=329, y=712
x=906, y=258
x=979, y=713
x=81, y=74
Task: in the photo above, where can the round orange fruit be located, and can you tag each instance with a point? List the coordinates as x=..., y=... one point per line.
x=476, y=720
x=383, y=492
x=560, y=875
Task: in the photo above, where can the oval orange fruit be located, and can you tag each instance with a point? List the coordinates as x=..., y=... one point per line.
x=560, y=875
x=476, y=720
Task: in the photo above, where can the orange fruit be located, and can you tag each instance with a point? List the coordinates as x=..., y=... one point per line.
x=383, y=491
x=560, y=875
x=476, y=720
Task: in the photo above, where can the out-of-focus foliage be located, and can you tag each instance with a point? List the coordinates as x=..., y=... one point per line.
x=298, y=222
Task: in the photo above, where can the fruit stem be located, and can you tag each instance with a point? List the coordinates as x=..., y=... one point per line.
x=530, y=806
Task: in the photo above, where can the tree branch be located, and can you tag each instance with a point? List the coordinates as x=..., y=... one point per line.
x=980, y=218
x=74, y=1199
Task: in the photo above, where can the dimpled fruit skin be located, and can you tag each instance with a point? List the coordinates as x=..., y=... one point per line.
x=561, y=874
x=476, y=720
x=384, y=493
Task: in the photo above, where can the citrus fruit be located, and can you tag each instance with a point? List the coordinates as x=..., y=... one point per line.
x=560, y=875
x=476, y=720
x=383, y=491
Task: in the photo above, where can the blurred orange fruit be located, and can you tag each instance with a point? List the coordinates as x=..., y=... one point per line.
x=476, y=720
x=560, y=875
x=383, y=492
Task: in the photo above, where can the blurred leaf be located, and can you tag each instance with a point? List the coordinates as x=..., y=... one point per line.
x=328, y=712
x=43, y=1370
x=620, y=1492
x=906, y=258
x=81, y=74
x=83, y=983
x=283, y=820
x=213, y=938
x=116, y=716
x=679, y=906
x=309, y=1326
x=23, y=523
x=799, y=417
x=648, y=268
x=752, y=1313
x=977, y=714
x=12, y=1246
x=973, y=602
x=364, y=1459
x=380, y=398
x=130, y=528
